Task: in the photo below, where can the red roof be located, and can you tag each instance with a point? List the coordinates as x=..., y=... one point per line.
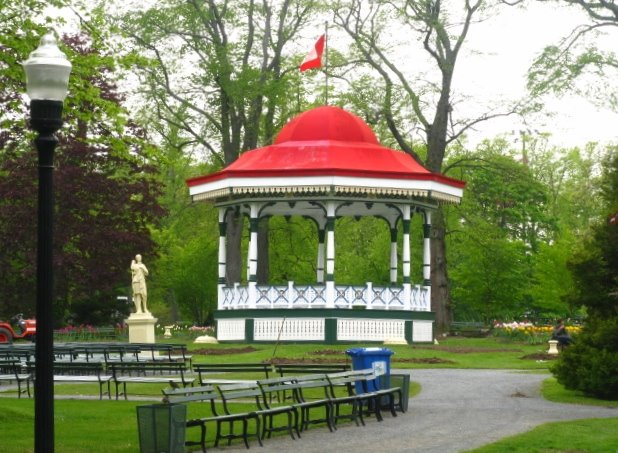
x=326, y=141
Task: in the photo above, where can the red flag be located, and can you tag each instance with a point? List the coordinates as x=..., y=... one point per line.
x=314, y=58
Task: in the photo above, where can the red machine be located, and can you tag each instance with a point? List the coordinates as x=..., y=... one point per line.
x=26, y=328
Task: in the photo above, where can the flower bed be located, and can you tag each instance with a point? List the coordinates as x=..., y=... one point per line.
x=527, y=332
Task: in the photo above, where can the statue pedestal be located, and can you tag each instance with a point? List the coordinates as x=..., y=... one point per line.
x=141, y=328
x=553, y=347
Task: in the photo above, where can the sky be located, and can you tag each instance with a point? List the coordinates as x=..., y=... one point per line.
x=505, y=48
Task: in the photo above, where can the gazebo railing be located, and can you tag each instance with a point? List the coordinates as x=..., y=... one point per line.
x=412, y=298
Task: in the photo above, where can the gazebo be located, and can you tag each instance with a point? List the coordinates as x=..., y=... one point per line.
x=326, y=163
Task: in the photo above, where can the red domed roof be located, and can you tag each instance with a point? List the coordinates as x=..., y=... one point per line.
x=326, y=123
x=325, y=141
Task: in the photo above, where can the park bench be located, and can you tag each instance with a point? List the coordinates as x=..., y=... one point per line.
x=295, y=369
x=361, y=392
x=468, y=329
x=204, y=369
x=309, y=392
x=172, y=373
x=309, y=368
x=203, y=394
x=83, y=372
x=357, y=400
x=86, y=372
x=165, y=351
x=21, y=352
x=106, y=333
x=11, y=370
x=262, y=408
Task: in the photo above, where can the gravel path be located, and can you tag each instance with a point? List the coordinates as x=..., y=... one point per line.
x=455, y=411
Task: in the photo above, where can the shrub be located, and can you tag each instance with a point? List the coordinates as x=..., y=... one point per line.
x=590, y=364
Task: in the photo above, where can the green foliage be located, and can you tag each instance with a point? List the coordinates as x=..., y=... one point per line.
x=552, y=282
x=363, y=251
x=187, y=270
x=487, y=271
x=105, y=195
x=590, y=364
x=595, y=263
x=293, y=250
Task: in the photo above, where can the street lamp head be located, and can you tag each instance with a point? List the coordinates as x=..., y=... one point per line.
x=47, y=71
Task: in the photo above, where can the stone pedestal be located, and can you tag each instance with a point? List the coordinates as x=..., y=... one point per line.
x=206, y=339
x=141, y=328
x=553, y=347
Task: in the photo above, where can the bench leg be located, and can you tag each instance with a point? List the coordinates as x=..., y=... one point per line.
x=203, y=437
x=245, y=434
x=257, y=430
x=218, y=433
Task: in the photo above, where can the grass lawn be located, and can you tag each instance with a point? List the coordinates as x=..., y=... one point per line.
x=111, y=426
x=452, y=352
x=580, y=436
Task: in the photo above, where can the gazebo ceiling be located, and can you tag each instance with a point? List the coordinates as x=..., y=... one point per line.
x=324, y=152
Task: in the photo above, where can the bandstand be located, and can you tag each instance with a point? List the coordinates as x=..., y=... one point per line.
x=326, y=163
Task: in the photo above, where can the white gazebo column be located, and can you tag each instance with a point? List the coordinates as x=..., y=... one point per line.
x=427, y=257
x=320, y=263
x=407, y=289
x=393, y=273
x=222, y=253
x=252, y=256
x=330, y=254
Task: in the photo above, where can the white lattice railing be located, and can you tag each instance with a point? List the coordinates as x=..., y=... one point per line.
x=231, y=329
x=370, y=329
x=288, y=329
x=407, y=297
x=422, y=331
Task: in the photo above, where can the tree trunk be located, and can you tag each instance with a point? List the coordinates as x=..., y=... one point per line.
x=233, y=255
x=440, y=289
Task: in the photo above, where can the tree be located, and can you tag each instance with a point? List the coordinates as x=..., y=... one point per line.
x=591, y=363
x=581, y=62
x=231, y=94
x=497, y=233
x=105, y=190
x=432, y=105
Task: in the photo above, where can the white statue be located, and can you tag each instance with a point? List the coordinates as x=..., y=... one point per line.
x=138, y=282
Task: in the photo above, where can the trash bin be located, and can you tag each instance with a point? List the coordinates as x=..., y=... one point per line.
x=162, y=428
x=403, y=381
x=379, y=359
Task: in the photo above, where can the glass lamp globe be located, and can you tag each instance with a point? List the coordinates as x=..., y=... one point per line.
x=47, y=71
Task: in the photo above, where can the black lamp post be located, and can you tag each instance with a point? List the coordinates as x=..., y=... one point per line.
x=47, y=79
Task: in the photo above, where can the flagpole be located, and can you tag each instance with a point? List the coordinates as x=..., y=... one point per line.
x=326, y=61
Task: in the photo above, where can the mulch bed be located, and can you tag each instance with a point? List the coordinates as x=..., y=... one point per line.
x=342, y=357
x=307, y=360
x=540, y=356
x=224, y=351
x=463, y=350
x=423, y=360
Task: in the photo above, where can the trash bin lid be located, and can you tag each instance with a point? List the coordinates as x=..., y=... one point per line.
x=369, y=351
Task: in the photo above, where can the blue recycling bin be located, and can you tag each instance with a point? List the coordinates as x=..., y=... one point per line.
x=379, y=359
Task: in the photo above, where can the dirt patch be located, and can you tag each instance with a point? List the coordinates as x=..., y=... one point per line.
x=518, y=394
x=464, y=350
x=307, y=360
x=540, y=356
x=224, y=351
x=424, y=360
x=328, y=352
